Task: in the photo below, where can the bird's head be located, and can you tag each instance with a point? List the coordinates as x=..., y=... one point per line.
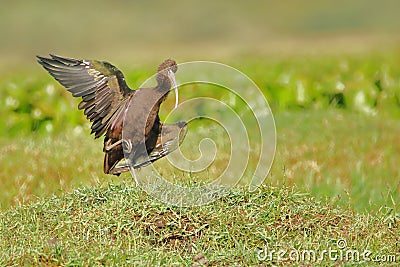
x=166, y=77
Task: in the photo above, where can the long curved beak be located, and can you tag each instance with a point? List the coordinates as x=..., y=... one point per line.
x=171, y=77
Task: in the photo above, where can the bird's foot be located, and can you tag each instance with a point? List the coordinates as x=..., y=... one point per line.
x=135, y=178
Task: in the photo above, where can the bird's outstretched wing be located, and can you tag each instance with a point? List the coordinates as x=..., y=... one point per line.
x=102, y=87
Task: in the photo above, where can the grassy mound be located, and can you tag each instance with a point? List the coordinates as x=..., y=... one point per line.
x=120, y=224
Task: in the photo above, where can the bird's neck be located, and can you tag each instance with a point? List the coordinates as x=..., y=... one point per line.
x=162, y=94
x=163, y=86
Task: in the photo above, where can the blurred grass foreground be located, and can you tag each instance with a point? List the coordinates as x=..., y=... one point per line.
x=330, y=72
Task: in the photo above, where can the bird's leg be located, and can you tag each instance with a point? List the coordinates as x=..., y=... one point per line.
x=134, y=177
x=117, y=170
x=108, y=148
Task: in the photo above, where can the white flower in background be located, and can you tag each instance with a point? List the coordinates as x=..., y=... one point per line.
x=340, y=86
x=37, y=113
x=11, y=102
x=301, y=92
x=49, y=127
x=50, y=89
x=361, y=104
x=78, y=130
x=284, y=78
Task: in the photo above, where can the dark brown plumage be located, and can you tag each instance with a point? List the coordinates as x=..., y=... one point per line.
x=107, y=100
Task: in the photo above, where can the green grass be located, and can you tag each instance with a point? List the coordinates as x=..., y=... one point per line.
x=335, y=154
x=332, y=154
x=121, y=225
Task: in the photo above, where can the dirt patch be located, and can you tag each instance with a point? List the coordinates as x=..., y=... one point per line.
x=173, y=230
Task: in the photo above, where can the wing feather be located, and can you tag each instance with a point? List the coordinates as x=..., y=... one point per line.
x=101, y=86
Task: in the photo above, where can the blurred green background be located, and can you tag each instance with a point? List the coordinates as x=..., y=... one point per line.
x=329, y=69
x=133, y=32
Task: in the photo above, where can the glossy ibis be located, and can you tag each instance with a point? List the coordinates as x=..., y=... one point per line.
x=108, y=102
